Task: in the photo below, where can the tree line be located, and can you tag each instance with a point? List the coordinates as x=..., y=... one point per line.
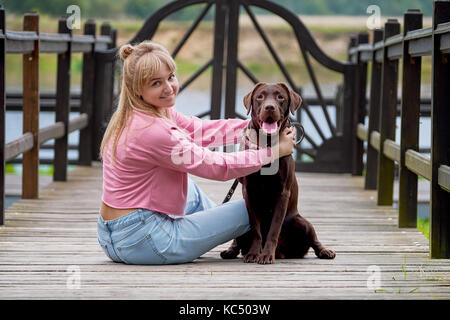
x=143, y=8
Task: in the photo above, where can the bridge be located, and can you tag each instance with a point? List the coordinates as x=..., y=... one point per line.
x=346, y=167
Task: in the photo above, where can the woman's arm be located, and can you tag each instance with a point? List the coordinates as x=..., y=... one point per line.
x=211, y=133
x=175, y=150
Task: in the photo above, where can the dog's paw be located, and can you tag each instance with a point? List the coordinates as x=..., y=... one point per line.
x=250, y=257
x=326, y=254
x=229, y=254
x=266, y=259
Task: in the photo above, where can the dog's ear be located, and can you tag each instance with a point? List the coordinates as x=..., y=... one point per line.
x=248, y=99
x=295, y=100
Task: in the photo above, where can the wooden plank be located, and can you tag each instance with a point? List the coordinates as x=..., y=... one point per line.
x=62, y=106
x=43, y=238
x=2, y=113
x=18, y=146
x=53, y=43
x=30, y=161
x=418, y=163
x=444, y=177
x=360, y=111
x=440, y=138
x=391, y=150
x=87, y=98
x=218, y=54
x=388, y=107
x=410, y=117
x=374, y=119
x=375, y=140
x=21, y=41
x=78, y=123
x=51, y=132
x=362, y=132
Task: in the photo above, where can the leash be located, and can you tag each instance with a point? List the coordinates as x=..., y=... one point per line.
x=246, y=140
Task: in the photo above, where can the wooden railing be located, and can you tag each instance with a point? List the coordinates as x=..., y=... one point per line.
x=95, y=96
x=389, y=48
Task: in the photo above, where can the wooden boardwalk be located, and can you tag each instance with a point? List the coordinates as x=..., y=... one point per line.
x=44, y=239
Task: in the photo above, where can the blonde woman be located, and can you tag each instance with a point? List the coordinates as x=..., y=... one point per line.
x=151, y=212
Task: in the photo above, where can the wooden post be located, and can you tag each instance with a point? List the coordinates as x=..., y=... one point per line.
x=87, y=98
x=389, y=82
x=349, y=124
x=374, y=118
x=360, y=112
x=30, y=162
x=232, y=53
x=231, y=64
x=2, y=114
x=409, y=133
x=217, y=72
x=62, y=106
x=440, y=138
x=104, y=85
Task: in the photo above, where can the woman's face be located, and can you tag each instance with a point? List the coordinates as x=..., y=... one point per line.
x=162, y=90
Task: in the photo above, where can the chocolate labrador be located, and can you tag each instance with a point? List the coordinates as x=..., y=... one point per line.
x=277, y=228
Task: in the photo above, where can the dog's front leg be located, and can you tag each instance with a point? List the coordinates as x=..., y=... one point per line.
x=255, y=246
x=256, y=242
x=268, y=253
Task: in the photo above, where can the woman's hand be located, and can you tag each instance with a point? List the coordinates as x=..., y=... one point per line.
x=286, y=144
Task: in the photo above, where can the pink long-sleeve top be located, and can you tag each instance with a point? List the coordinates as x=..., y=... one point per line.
x=154, y=156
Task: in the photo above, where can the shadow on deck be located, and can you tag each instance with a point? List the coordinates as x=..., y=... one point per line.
x=43, y=240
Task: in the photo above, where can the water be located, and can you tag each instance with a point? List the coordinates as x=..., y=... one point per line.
x=194, y=102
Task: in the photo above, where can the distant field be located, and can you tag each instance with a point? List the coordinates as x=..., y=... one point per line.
x=332, y=34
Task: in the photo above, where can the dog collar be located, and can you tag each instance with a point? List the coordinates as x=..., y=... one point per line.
x=247, y=140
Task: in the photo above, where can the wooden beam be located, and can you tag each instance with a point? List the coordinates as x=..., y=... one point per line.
x=62, y=106
x=391, y=150
x=418, y=163
x=440, y=138
x=30, y=162
x=388, y=107
x=409, y=131
x=370, y=182
x=18, y=146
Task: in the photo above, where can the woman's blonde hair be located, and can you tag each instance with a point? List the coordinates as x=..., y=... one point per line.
x=141, y=62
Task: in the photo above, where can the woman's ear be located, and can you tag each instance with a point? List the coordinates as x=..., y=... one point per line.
x=248, y=99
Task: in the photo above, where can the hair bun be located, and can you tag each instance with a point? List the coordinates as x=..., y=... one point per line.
x=125, y=51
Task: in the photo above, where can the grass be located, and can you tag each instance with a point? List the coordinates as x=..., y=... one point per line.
x=424, y=226
x=44, y=169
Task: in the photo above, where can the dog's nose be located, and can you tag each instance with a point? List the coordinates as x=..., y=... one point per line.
x=269, y=107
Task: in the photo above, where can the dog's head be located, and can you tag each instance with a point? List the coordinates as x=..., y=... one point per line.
x=270, y=104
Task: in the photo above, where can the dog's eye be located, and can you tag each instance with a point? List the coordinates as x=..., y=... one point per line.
x=260, y=97
x=280, y=97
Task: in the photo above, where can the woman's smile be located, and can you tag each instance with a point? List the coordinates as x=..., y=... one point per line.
x=162, y=89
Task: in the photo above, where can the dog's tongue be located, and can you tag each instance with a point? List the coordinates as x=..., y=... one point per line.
x=269, y=128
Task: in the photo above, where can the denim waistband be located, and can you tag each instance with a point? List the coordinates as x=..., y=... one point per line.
x=126, y=220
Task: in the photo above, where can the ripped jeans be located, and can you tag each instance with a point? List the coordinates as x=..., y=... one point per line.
x=149, y=237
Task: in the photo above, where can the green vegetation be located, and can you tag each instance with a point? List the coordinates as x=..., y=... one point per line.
x=143, y=8
x=44, y=169
x=424, y=226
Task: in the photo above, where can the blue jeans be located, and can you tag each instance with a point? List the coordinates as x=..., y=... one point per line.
x=149, y=237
